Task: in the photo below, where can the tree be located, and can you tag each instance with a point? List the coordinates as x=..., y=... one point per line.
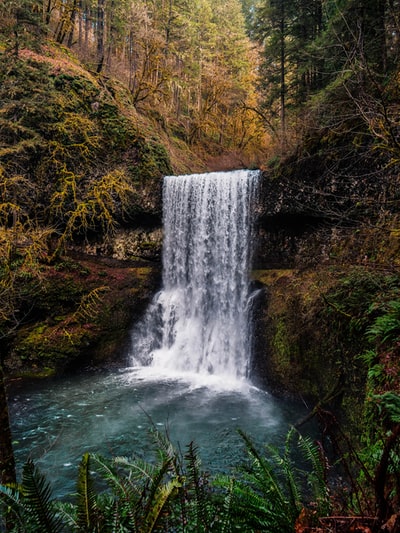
x=100, y=35
x=22, y=245
x=21, y=23
x=311, y=47
x=354, y=32
x=169, y=52
x=7, y=462
x=249, y=9
x=306, y=28
x=272, y=29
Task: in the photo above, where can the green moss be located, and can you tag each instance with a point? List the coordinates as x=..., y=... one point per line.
x=68, y=265
x=38, y=373
x=316, y=326
x=119, y=134
x=283, y=349
x=52, y=347
x=55, y=125
x=153, y=161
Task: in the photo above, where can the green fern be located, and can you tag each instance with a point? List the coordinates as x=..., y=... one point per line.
x=260, y=499
x=272, y=494
x=165, y=449
x=142, y=491
x=87, y=510
x=226, y=517
x=11, y=506
x=387, y=326
x=389, y=403
x=108, y=471
x=316, y=475
x=157, y=494
x=198, y=485
x=36, y=503
x=119, y=502
x=159, y=502
x=173, y=494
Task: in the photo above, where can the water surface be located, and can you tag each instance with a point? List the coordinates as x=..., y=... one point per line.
x=56, y=422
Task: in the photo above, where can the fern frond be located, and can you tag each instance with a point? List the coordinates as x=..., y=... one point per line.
x=261, y=498
x=113, y=478
x=67, y=512
x=262, y=471
x=290, y=474
x=11, y=502
x=227, y=508
x=253, y=511
x=116, y=515
x=317, y=476
x=271, y=496
x=115, y=508
x=166, y=449
x=156, y=484
x=158, y=504
x=87, y=509
x=139, y=469
x=387, y=326
x=36, y=499
x=197, y=485
x=390, y=402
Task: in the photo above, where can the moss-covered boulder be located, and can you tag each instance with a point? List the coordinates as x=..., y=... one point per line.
x=81, y=316
x=311, y=333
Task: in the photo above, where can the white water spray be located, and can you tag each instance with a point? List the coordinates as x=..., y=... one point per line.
x=199, y=321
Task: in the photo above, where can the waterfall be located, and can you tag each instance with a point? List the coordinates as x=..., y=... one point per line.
x=199, y=321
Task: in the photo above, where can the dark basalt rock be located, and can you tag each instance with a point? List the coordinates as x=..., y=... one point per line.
x=310, y=203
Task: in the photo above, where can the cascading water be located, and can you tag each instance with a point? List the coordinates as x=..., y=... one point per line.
x=195, y=341
x=199, y=321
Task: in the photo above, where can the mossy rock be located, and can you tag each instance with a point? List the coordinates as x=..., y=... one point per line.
x=60, y=124
x=52, y=347
x=81, y=316
x=311, y=332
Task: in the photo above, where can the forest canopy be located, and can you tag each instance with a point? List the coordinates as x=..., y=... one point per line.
x=190, y=62
x=230, y=75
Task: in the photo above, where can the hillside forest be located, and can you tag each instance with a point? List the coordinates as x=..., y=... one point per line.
x=99, y=99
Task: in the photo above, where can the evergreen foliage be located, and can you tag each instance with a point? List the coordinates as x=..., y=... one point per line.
x=30, y=503
x=274, y=490
x=174, y=494
x=321, y=57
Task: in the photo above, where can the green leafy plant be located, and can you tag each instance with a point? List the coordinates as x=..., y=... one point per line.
x=272, y=493
x=172, y=493
x=386, y=327
x=30, y=503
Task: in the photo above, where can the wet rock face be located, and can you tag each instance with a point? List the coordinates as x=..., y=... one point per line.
x=81, y=316
x=303, y=347
x=287, y=241
x=306, y=210
x=128, y=244
x=314, y=226
x=142, y=243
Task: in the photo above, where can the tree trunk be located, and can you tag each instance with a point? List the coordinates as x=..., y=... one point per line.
x=72, y=24
x=282, y=74
x=100, y=35
x=7, y=462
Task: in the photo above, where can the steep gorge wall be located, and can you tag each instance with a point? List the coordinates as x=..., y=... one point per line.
x=307, y=209
x=320, y=263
